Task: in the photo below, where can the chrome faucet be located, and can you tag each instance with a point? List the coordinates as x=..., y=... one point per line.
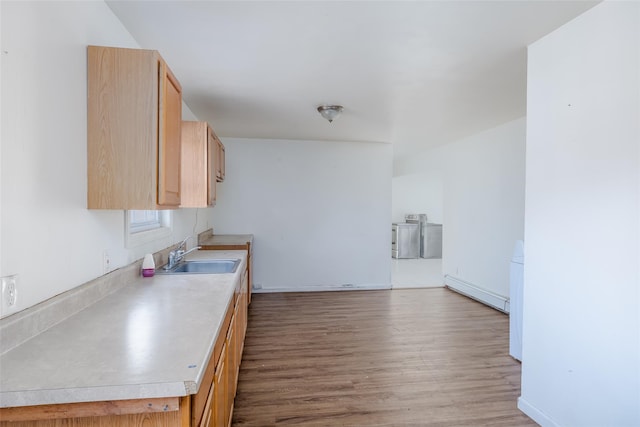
x=183, y=244
x=176, y=255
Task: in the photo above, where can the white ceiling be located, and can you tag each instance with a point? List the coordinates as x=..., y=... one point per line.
x=416, y=74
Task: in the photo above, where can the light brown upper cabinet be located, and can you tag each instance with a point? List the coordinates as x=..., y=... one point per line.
x=134, y=126
x=220, y=168
x=199, y=163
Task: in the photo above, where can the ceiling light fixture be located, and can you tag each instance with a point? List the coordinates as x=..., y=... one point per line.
x=330, y=112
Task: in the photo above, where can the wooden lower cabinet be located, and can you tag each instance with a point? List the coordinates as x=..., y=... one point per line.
x=231, y=367
x=207, y=415
x=225, y=362
x=243, y=315
x=220, y=387
x=246, y=246
x=212, y=406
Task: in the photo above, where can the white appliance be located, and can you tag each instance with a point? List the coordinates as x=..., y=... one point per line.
x=405, y=240
x=432, y=241
x=430, y=235
x=516, y=285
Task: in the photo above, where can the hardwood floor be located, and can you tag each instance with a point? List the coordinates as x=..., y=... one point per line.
x=419, y=357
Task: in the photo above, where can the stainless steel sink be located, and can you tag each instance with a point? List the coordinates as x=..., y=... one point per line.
x=203, y=266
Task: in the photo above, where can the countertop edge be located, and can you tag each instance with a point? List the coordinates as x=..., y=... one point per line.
x=9, y=399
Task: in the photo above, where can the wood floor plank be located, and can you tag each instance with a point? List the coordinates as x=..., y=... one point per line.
x=419, y=357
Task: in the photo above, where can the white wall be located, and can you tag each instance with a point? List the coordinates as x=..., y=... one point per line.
x=581, y=348
x=320, y=211
x=417, y=187
x=475, y=187
x=48, y=237
x=484, y=205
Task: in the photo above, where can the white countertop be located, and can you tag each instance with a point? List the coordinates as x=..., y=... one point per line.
x=152, y=338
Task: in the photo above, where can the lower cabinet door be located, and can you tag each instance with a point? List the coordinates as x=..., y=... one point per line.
x=207, y=416
x=237, y=344
x=231, y=363
x=220, y=391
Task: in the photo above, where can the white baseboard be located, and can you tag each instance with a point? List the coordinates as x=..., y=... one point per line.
x=324, y=288
x=416, y=286
x=535, y=414
x=477, y=293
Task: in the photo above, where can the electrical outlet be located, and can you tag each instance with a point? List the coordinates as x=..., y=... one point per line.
x=9, y=294
x=106, y=262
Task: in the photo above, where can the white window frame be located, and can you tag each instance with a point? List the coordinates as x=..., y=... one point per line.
x=140, y=235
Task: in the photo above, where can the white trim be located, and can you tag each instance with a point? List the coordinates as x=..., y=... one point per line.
x=477, y=293
x=535, y=414
x=138, y=226
x=132, y=240
x=323, y=288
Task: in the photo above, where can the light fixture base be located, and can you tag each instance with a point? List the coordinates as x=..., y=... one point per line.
x=330, y=112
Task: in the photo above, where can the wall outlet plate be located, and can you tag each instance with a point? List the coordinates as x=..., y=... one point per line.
x=106, y=262
x=9, y=295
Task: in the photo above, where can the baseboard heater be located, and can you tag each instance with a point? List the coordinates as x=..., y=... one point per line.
x=470, y=290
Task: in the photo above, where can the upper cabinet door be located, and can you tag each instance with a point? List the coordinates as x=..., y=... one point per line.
x=198, y=178
x=212, y=155
x=134, y=113
x=220, y=165
x=170, y=108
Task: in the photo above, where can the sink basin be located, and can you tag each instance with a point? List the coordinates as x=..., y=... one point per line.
x=203, y=266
